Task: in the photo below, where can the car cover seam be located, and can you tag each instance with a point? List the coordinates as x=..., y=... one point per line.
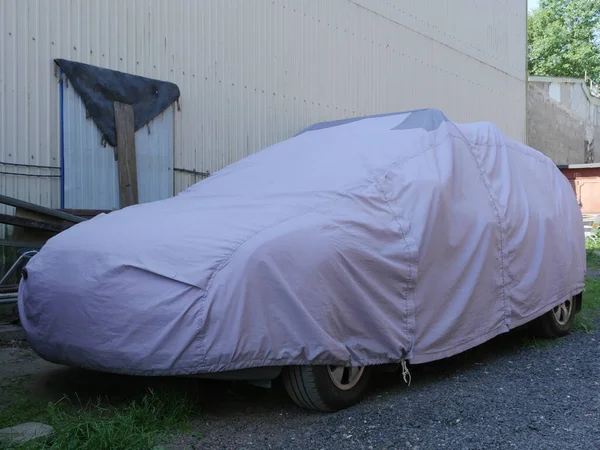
x=341, y=196
x=518, y=150
x=409, y=285
x=498, y=220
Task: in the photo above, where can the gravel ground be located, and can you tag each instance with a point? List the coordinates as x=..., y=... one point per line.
x=505, y=394
x=509, y=393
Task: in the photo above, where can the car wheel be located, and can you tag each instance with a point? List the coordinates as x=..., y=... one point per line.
x=326, y=388
x=558, y=321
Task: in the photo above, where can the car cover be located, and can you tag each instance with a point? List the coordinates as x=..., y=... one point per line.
x=365, y=241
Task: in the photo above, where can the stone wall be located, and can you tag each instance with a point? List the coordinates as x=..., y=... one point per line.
x=563, y=120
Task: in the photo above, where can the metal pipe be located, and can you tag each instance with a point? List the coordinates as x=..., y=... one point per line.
x=192, y=172
x=34, y=175
x=32, y=166
x=28, y=254
x=62, y=137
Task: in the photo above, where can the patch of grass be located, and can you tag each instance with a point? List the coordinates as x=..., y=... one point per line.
x=23, y=410
x=17, y=407
x=592, y=247
x=590, y=311
x=530, y=341
x=140, y=424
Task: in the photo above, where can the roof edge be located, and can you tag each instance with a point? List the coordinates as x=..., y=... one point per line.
x=579, y=166
x=581, y=81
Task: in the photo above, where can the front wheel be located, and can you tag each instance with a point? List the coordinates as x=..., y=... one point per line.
x=326, y=388
x=557, y=322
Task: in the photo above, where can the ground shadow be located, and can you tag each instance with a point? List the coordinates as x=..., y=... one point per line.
x=219, y=397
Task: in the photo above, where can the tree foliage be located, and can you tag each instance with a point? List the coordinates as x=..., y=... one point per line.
x=563, y=39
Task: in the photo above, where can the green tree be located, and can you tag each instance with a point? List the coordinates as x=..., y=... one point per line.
x=563, y=39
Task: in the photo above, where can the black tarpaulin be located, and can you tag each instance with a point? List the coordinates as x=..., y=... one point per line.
x=99, y=88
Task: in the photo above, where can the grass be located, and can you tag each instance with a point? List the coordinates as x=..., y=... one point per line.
x=21, y=407
x=586, y=320
x=592, y=247
x=142, y=423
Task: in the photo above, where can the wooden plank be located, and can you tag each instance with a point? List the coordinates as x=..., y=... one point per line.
x=36, y=234
x=9, y=288
x=86, y=213
x=126, y=162
x=10, y=201
x=28, y=214
x=31, y=223
x=21, y=244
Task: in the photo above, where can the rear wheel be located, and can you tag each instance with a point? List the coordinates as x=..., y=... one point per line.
x=326, y=388
x=558, y=321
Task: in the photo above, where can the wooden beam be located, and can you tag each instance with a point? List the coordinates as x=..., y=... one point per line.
x=40, y=209
x=126, y=162
x=31, y=223
x=86, y=213
x=9, y=288
x=21, y=244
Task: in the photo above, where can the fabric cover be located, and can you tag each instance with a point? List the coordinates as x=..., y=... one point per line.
x=100, y=88
x=358, y=242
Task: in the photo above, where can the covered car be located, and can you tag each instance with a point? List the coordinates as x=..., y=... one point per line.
x=366, y=242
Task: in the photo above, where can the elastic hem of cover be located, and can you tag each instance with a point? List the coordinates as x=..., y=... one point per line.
x=195, y=370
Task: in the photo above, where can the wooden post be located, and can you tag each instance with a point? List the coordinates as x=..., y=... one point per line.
x=124, y=124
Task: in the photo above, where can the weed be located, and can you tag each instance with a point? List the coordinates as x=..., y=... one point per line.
x=139, y=424
x=592, y=247
x=590, y=310
x=531, y=341
x=18, y=407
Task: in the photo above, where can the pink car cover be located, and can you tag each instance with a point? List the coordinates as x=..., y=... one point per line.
x=366, y=241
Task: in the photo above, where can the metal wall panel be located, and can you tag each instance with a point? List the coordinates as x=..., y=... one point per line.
x=91, y=178
x=154, y=158
x=253, y=72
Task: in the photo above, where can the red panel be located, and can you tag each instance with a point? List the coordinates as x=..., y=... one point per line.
x=586, y=183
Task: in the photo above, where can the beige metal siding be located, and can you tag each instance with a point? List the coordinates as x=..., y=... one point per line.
x=253, y=72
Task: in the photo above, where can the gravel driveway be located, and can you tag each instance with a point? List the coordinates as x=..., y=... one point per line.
x=502, y=395
x=506, y=394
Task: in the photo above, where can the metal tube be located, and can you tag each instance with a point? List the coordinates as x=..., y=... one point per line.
x=28, y=254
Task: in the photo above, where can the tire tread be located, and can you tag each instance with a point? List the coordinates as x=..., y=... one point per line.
x=545, y=326
x=305, y=385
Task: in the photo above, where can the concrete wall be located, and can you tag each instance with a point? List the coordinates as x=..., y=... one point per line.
x=563, y=119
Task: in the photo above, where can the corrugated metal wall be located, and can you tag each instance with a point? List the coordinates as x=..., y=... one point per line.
x=91, y=175
x=253, y=72
x=91, y=178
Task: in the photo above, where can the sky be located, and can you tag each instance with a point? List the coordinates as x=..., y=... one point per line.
x=532, y=4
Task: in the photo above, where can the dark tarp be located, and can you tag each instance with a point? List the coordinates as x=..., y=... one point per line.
x=99, y=88
x=427, y=119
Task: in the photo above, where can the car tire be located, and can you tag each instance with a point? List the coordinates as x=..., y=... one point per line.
x=326, y=388
x=557, y=322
